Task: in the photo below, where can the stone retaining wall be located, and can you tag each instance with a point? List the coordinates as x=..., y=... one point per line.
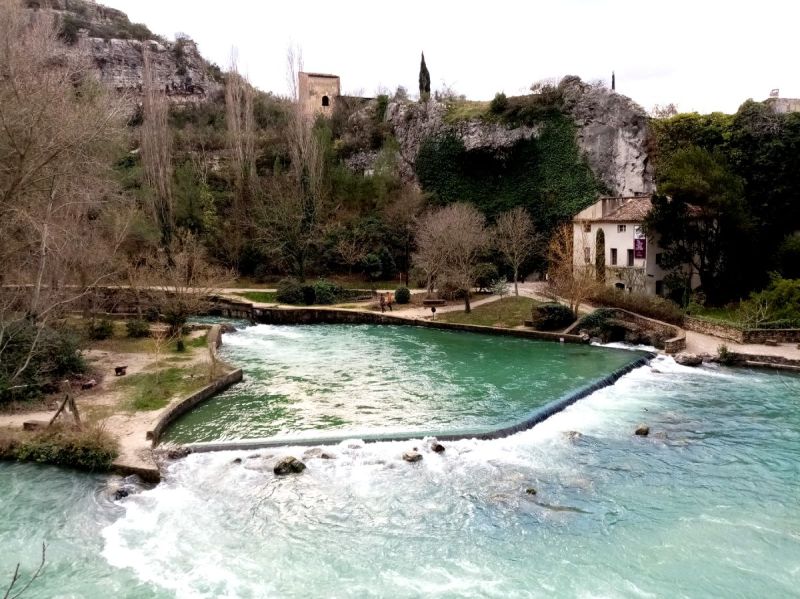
x=699, y=325
x=737, y=335
x=190, y=402
x=675, y=336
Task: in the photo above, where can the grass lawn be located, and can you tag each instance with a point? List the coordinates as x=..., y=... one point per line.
x=508, y=313
x=726, y=315
x=260, y=297
x=154, y=390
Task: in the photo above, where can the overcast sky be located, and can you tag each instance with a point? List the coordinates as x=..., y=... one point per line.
x=703, y=55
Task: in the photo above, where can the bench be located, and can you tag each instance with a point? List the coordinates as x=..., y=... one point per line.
x=433, y=302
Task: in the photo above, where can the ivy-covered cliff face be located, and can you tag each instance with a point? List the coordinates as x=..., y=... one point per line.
x=115, y=46
x=553, y=152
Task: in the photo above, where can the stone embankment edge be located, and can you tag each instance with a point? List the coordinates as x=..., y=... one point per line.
x=151, y=473
x=536, y=417
x=185, y=405
x=342, y=316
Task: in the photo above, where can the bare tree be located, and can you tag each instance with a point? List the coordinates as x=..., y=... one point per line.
x=241, y=144
x=570, y=274
x=450, y=240
x=514, y=238
x=402, y=215
x=351, y=249
x=295, y=207
x=156, y=143
x=14, y=593
x=181, y=281
x=432, y=251
x=664, y=111
x=59, y=225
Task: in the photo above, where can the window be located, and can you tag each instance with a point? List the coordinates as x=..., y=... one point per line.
x=659, y=258
x=613, y=256
x=326, y=101
x=621, y=228
x=587, y=255
x=630, y=257
x=660, y=288
x=587, y=227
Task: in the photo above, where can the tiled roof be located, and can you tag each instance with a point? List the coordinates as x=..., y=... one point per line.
x=633, y=210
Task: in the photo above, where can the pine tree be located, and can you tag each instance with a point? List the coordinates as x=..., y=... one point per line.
x=424, y=80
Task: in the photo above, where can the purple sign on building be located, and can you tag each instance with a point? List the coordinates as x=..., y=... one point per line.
x=640, y=249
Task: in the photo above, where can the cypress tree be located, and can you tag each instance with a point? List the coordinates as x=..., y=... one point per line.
x=424, y=80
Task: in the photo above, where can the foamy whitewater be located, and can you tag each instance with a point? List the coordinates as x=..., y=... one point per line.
x=707, y=506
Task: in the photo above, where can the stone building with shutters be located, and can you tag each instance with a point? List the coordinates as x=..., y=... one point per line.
x=609, y=235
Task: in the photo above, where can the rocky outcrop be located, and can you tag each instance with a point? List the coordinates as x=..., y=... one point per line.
x=115, y=48
x=181, y=73
x=414, y=122
x=612, y=134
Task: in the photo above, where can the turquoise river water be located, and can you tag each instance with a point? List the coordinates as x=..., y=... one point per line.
x=317, y=381
x=708, y=506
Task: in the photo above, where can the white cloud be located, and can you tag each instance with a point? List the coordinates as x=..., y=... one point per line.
x=704, y=55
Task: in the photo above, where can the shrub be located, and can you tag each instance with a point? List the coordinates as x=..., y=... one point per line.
x=325, y=292
x=596, y=323
x=646, y=305
x=777, y=306
x=309, y=295
x=551, y=317
x=90, y=448
x=402, y=295
x=725, y=356
x=485, y=274
x=500, y=287
x=100, y=329
x=137, y=328
x=499, y=103
x=290, y=291
x=56, y=356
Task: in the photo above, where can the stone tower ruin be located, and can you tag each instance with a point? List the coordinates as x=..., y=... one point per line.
x=318, y=92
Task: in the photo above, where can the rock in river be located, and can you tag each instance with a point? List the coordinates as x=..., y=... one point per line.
x=412, y=456
x=288, y=465
x=642, y=430
x=687, y=359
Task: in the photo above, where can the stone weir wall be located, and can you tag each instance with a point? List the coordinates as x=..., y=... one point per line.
x=339, y=316
x=536, y=417
x=737, y=335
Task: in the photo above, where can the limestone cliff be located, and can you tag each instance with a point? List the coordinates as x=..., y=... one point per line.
x=115, y=46
x=612, y=133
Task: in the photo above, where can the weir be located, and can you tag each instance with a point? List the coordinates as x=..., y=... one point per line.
x=537, y=416
x=322, y=384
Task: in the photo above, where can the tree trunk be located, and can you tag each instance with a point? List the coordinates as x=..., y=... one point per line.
x=467, y=307
x=516, y=289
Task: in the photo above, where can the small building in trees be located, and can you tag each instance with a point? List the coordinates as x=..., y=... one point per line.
x=318, y=92
x=609, y=237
